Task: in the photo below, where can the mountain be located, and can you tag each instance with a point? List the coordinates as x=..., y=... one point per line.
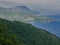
x=22, y=13
x=23, y=10
x=27, y=8
x=23, y=7
x=13, y=5
x=20, y=10
x=18, y=33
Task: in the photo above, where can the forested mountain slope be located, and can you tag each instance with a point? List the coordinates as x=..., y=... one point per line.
x=18, y=33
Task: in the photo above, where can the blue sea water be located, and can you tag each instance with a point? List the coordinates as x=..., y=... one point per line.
x=52, y=27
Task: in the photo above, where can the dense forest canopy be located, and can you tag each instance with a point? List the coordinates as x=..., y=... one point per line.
x=18, y=33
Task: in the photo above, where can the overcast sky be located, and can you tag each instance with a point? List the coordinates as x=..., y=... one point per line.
x=53, y=5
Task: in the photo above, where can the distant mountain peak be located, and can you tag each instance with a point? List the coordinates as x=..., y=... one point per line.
x=22, y=7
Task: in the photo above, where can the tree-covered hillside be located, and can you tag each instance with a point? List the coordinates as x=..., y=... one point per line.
x=18, y=33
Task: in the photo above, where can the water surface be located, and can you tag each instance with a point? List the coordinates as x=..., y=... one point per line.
x=52, y=27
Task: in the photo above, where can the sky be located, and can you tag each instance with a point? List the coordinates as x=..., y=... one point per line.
x=48, y=3
x=45, y=5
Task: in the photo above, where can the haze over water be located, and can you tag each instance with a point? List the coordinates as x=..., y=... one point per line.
x=52, y=27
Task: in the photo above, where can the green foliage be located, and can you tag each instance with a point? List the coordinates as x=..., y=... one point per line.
x=18, y=33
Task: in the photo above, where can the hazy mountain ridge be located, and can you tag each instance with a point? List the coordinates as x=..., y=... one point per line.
x=19, y=13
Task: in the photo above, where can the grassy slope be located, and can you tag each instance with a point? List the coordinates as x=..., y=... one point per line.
x=18, y=33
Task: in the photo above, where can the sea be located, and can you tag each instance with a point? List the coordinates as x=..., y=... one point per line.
x=52, y=27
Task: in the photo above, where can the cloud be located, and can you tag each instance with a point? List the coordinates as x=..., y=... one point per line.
x=53, y=4
x=45, y=5
x=18, y=1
